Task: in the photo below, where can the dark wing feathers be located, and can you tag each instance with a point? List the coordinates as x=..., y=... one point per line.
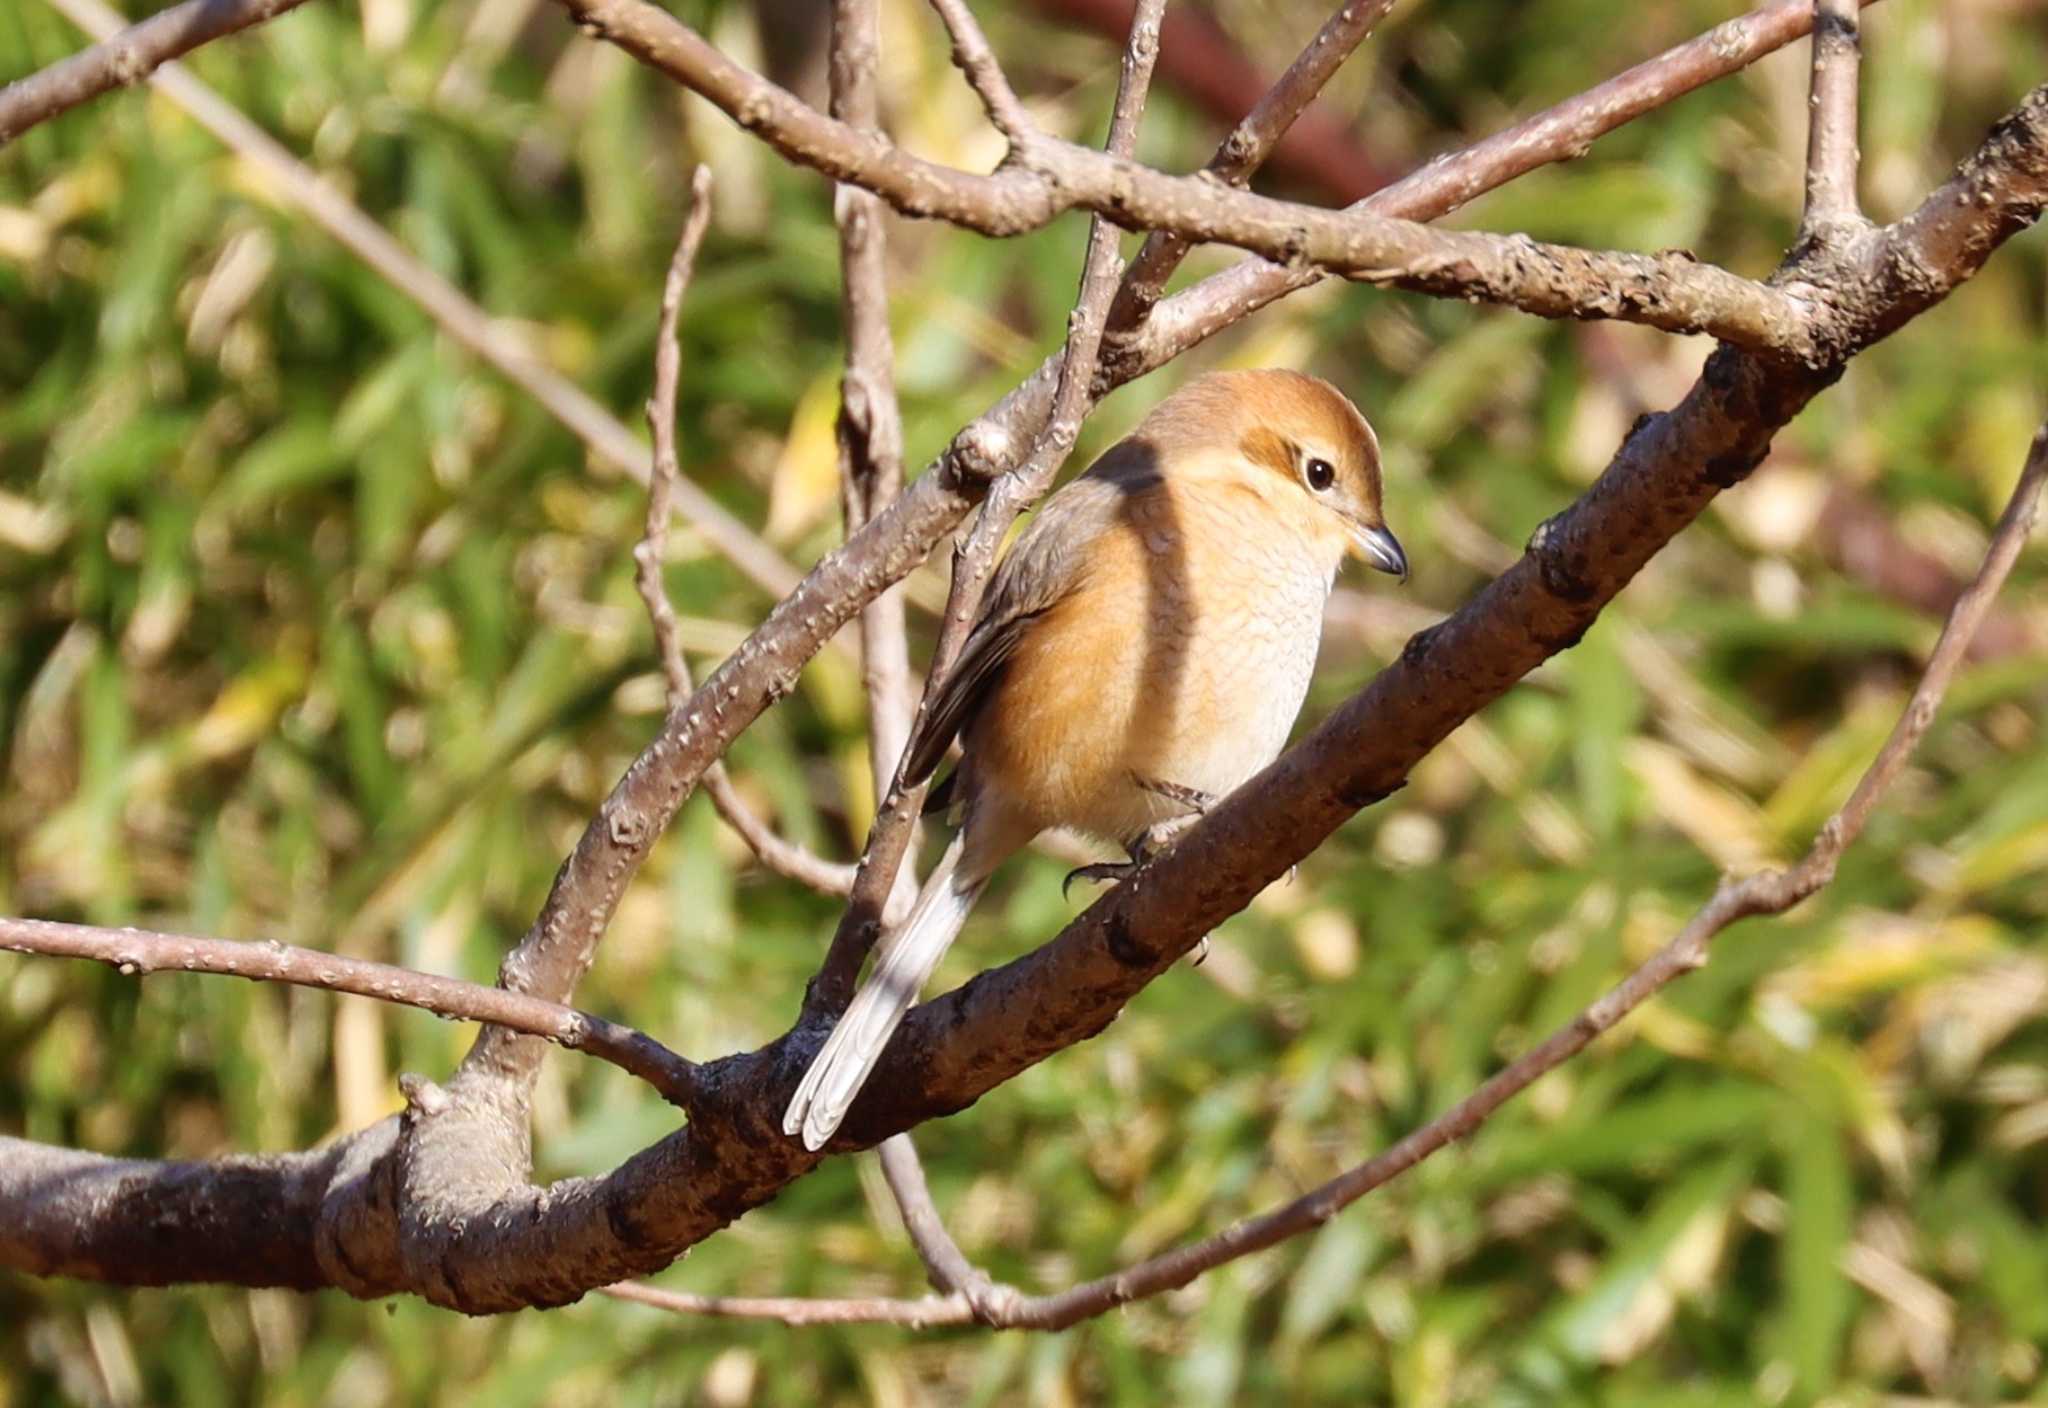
x=1045, y=564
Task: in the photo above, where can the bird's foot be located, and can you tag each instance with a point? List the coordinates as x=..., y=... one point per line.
x=1154, y=839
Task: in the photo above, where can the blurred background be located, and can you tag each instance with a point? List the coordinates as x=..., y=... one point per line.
x=313, y=629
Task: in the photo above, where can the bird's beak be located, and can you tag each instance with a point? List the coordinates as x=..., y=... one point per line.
x=1382, y=549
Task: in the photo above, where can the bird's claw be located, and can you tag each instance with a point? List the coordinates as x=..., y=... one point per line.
x=1109, y=872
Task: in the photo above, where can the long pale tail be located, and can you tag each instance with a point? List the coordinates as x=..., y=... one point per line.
x=902, y=963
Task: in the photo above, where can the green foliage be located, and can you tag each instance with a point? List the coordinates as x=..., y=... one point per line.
x=312, y=629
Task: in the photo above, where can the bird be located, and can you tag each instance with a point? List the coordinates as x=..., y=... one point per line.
x=1141, y=650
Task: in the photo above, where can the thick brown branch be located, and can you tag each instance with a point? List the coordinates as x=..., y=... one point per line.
x=127, y=58
x=135, y=952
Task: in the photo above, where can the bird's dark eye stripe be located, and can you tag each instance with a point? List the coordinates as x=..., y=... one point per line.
x=1320, y=473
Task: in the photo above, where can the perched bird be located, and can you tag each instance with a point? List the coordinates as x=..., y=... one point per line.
x=1142, y=650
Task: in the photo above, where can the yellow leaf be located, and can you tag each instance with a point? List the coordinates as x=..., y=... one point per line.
x=806, y=483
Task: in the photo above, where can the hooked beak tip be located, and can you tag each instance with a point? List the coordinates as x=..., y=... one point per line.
x=1383, y=550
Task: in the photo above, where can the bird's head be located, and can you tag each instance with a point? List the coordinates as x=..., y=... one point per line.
x=1298, y=441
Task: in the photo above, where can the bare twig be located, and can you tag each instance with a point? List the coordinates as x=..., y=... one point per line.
x=1246, y=148
x=666, y=472
x=1669, y=291
x=1770, y=892
x=1831, y=158
x=777, y=852
x=870, y=425
x=926, y=1313
x=463, y=321
x=134, y=952
x=126, y=58
x=975, y=58
x=948, y=1268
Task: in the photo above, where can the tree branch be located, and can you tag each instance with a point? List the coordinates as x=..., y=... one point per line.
x=138, y=952
x=779, y=854
x=1558, y=133
x=869, y=430
x=973, y=56
x=1831, y=157
x=127, y=58
x=1672, y=292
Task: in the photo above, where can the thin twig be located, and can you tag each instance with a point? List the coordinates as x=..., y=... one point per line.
x=467, y=324
x=1831, y=158
x=1770, y=892
x=126, y=58
x=928, y=1312
x=976, y=59
x=777, y=852
x=134, y=952
x=869, y=431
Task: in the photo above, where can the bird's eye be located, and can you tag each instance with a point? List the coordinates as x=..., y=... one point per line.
x=1320, y=474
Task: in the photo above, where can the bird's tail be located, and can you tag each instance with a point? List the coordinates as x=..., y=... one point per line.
x=902, y=963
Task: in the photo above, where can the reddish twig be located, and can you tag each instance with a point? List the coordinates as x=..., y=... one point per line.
x=136, y=952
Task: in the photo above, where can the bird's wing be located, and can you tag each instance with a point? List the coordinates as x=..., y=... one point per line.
x=1046, y=564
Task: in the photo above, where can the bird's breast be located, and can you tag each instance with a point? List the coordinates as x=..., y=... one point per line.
x=1182, y=659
